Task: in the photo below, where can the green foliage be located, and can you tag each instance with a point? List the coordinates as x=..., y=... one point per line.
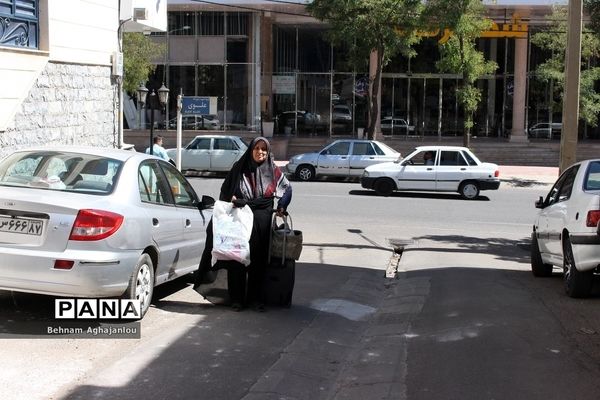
x=138, y=51
x=363, y=26
x=592, y=8
x=554, y=40
x=459, y=55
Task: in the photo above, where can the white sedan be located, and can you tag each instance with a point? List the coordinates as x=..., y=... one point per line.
x=566, y=232
x=346, y=158
x=434, y=168
x=212, y=153
x=96, y=222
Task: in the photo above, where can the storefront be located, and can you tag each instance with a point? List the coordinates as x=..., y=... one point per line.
x=275, y=65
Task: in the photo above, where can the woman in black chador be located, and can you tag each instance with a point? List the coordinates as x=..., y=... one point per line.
x=256, y=181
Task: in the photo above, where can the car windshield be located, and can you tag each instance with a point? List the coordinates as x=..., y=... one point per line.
x=63, y=171
x=592, y=179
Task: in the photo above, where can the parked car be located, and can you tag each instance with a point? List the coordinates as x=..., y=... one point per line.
x=566, y=231
x=545, y=130
x=341, y=158
x=211, y=153
x=341, y=114
x=195, y=122
x=285, y=122
x=434, y=168
x=96, y=222
x=396, y=126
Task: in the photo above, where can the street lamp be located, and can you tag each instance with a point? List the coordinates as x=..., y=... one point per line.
x=142, y=93
x=163, y=97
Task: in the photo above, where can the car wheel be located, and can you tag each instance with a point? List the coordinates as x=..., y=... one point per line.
x=384, y=186
x=537, y=265
x=469, y=190
x=141, y=283
x=577, y=283
x=305, y=173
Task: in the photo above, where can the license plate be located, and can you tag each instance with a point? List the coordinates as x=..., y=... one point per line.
x=24, y=226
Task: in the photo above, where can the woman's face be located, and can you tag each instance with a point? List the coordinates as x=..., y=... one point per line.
x=259, y=152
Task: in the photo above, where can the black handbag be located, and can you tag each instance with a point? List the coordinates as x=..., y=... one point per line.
x=286, y=242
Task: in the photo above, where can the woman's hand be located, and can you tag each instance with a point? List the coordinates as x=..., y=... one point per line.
x=281, y=212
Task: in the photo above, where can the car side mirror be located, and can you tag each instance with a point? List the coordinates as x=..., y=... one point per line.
x=539, y=203
x=206, y=203
x=404, y=163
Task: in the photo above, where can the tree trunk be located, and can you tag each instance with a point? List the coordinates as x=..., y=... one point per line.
x=374, y=89
x=468, y=115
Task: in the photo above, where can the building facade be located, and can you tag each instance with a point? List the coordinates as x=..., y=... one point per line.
x=266, y=61
x=58, y=69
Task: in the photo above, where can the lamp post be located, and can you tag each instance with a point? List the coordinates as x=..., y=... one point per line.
x=163, y=97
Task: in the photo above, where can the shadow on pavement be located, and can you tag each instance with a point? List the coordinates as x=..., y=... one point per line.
x=418, y=195
x=523, y=183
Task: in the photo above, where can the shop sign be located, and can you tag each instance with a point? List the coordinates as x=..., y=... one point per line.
x=284, y=84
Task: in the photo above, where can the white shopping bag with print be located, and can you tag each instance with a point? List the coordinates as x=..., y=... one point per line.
x=232, y=227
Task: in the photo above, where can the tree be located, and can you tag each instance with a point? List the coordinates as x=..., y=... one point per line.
x=385, y=27
x=466, y=20
x=138, y=51
x=592, y=7
x=554, y=40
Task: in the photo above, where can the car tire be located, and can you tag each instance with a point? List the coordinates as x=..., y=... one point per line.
x=469, y=190
x=538, y=267
x=305, y=172
x=384, y=186
x=577, y=283
x=141, y=283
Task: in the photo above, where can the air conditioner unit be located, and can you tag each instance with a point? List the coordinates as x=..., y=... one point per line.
x=140, y=14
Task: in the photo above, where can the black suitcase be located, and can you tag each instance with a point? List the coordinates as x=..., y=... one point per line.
x=279, y=282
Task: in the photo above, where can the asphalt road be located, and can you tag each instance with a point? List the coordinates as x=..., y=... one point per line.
x=464, y=319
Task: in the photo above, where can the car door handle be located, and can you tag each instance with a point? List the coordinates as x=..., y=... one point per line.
x=463, y=169
x=371, y=158
x=429, y=169
x=343, y=158
x=188, y=223
x=154, y=221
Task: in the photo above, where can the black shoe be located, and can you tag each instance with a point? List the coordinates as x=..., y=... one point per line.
x=236, y=307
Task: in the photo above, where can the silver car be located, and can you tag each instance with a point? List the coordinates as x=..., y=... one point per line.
x=96, y=222
x=212, y=153
x=346, y=158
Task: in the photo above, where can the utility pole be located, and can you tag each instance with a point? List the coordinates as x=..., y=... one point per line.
x=570, y=114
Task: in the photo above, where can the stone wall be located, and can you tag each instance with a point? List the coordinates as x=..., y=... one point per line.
x=68, y=104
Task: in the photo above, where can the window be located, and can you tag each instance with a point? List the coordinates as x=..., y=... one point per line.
x=362, y=149
x=224, y=144
x=452, y=158
x=151, y=183
x=567, y=187
x=338, y=149
x=181, y=190
x=378, y=150
x=592, y=179
x=200, y=144
x=20, y=25
x=470, y=160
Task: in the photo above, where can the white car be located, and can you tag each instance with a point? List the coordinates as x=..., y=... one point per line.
x=566, y=232
x=212, y=153
x=96, y=222
x=346, y=157
x=434, y=168
x=396, y=126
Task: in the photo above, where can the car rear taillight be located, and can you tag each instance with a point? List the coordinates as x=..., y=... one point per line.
x=497, y=173
x=593, y=216
x=95, y=225
x=63, y=264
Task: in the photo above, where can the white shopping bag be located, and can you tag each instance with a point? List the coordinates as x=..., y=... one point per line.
x=232, y=227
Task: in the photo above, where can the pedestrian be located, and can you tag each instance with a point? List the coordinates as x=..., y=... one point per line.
x=256, y=181
x=157, y=148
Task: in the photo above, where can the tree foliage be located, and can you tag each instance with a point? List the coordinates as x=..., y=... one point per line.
x=362, y=26
x=554, y=40
x=459, y=55
x=138, y=51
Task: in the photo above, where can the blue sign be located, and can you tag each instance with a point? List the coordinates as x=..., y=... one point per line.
x=195, y=105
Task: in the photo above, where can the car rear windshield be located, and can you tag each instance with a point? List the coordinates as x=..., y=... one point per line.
x=63, y=171
x=592, y=179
